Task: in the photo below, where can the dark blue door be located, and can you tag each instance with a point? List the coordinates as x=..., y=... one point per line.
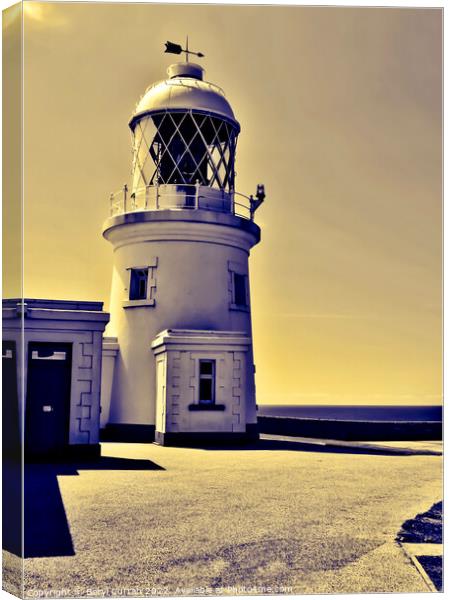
x=12, y=455
x=48, y=398
x=10, y=404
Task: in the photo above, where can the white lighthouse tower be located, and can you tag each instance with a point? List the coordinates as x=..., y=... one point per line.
x=180, y=327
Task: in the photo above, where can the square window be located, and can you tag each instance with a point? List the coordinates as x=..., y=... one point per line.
x=138, y=284
x=206, y=395
x=206, y=382
x=240, y=289
x=206, y=367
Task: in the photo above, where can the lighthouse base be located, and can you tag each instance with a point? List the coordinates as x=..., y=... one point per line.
x=200, y=439
x=204, y=388
x=127, y=432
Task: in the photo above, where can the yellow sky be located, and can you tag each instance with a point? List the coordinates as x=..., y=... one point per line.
x=341, y=119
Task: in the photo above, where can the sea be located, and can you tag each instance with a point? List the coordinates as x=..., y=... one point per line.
x=353, y=412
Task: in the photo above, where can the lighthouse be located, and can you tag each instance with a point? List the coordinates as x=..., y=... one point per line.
x=178, y=364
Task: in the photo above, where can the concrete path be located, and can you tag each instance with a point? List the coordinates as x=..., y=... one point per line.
x=280, y=518
x=406, y=448
x=421, y=539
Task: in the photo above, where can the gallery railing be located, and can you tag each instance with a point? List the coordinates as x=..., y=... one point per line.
x=183, y=196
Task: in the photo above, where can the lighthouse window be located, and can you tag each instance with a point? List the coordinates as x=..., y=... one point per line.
x=207, y=382
x=240, y=289
x=138, y=285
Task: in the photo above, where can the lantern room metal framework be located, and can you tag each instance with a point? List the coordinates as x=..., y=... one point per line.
x=184, y=147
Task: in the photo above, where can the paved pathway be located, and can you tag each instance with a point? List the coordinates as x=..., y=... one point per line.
x=422, y=540
x=285, y=516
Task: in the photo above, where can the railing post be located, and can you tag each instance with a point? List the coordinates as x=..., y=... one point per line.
x=125, y=194
x=111, y=207
x=157, y=195
x=147, y=191
x=197, y=193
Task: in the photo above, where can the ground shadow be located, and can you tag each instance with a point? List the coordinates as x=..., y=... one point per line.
x=47, y=531
x=424, y=528
x=323, y=447
x=12, y=506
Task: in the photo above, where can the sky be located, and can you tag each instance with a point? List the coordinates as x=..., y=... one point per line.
x=341, y=119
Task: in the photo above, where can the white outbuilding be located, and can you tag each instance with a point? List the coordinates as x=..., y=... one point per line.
x=178, y=363
x=51, y=357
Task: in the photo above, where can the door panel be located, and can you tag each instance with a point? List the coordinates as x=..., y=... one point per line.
x=12, y=456
x=160, y=396
x=10, y=404
x=48, y=397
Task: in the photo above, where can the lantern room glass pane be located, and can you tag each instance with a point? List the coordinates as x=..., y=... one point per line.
x=143, y=163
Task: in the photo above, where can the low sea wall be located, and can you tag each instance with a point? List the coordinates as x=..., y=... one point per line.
x=352, y=430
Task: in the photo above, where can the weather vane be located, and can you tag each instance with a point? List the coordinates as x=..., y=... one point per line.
x=172, y=48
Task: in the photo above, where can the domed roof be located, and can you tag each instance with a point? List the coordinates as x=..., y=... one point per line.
x=184, y=90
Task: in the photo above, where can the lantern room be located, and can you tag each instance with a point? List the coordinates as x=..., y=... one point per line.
x=184, y=142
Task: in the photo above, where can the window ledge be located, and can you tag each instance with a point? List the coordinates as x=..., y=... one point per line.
x=241, y=307
x=138, y=303
x=207, y=407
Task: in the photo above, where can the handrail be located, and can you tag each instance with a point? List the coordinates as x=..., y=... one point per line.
x=180, y=196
